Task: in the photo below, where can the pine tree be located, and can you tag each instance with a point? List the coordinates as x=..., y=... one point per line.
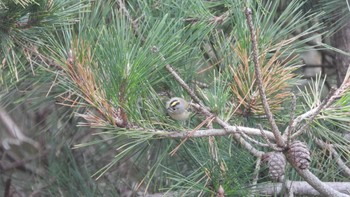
x=110, y=67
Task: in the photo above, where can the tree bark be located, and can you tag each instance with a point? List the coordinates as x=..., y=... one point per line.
x=341, y=40
x=300, y=188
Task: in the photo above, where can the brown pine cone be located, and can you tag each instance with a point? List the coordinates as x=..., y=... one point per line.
x=276, y=163
x=299, y=155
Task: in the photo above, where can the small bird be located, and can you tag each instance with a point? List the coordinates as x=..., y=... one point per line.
x=177, y=108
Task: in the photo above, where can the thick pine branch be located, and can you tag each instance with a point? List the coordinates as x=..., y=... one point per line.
x=300, y=188
x=259, y=79
x=306, y=174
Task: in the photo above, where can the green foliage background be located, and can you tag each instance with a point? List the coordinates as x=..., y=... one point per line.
x=197, y=38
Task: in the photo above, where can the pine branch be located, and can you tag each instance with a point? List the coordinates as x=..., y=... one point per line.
x=290, y=129
x=306, y=174
x=229, y=129
x=256, y=173
x=178, y=78
x=313, y=115
x=204, y=110
x=300, y=188
x=248, y=138
x=342, y=165
x=190, y=133
x=131, y=20
x=323, y=188
x=333, y=95
x=272, y=146
x=219, y=132
x=259, y=79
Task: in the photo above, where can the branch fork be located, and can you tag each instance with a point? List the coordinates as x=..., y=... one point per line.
x=282, y=141
x=305, y=173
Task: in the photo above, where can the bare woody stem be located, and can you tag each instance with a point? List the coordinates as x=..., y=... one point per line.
x=183, y=84
x=228, y=128
x=313, y=116
x=274, y=128
x=321, y=187
x=272, y=146
x=333, y=95
x=290, y=129
x=219, y=132
x=128, y=16
x=178, y=78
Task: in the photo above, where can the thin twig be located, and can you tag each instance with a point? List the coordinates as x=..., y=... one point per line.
x=14, y=131
x=340, y=162
x=213, y=149
x=344, y=87
x=182, y=83
x=131, y=20
x=220, y=19
x=313, y=116
x=190, y=133
x=272, y=146
x=229, y=129
x=239, y=138
x=259, y=79
x=256, y=173
x=215, y=19
x=247, y=137
x=177, y=77
x=290, y=128
x=331, y=98
x=15, y=159
x=200, y=84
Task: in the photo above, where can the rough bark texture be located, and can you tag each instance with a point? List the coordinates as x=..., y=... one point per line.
x=341, y=40
x=300, y=188
x=321, y=187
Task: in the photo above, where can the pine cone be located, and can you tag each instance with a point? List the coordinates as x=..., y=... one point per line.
x=299, y=155
x=276, y=163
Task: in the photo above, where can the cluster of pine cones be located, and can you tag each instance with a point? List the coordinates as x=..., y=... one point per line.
x=297, y=153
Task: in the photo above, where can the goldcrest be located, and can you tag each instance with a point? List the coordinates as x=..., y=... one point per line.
x=177, y=108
